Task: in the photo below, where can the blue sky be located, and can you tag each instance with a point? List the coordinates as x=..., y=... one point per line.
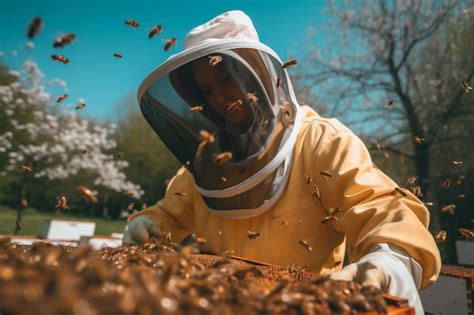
x=103, y=80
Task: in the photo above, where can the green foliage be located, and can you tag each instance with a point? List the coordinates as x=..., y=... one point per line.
x=151, y=163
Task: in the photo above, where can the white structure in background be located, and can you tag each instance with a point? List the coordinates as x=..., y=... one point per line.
x=453, y=292
x=71, y=233
x=59, y=142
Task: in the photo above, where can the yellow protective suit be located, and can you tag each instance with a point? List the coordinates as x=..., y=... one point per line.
x=370, y=212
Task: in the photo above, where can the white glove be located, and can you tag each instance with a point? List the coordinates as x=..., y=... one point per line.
x=390, y=269
x=140, y=229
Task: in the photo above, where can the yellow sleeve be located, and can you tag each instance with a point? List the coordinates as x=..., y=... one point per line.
x=370, y=212
x=175, y=212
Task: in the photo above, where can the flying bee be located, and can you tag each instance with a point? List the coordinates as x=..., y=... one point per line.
x=417, y=191
x=87, y=194
x=131, y=23
x=400, y=191
x=206, y=138
x=179, y=193
x=467, y=234
x=460, y=179
x=449, y=209
x=215, y=60
x=223, y=157
x=120, y=155
x=308, y=179
x=234, y=106
x=64, y=40
x=264, y=123
x=62, y=203
x=60, y=58
x=418, y=139
x=390, y=104
x=117, y=55
x=196, y=108
x=316, y=192
x=461, y=196
x=329, y=218
x=386, y=155
x=278, y=82
x=252, y=98
x=24, y=202
x=284, y=223
x=34, y=27
x=84, y=151
x=335, y=210
x=326, y=174
x=155, y=30
x=440, y=236
x=289, y=63
x=457, y=163
x=428, y=203
x=411, y=180
x=223, y=179
x=61, y=98
x=253, y=235
x=446, y=183
x=130, y=206
x=80, y=106
x=169, y=43
x=466, y=87
x=25, y=169
x=130, y=194
x=306, y=245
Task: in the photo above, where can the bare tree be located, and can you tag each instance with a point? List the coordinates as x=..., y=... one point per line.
x=394, y=69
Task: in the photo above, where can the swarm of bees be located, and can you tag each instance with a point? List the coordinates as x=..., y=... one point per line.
x=289, y=63
x=60, y=58
x=155, y=30
x=131, y=23
x=64, y=40
x=169, y=43
x=34, y=27
x=215, y=60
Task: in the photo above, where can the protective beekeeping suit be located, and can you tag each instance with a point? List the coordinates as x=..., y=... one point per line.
x=256, y=161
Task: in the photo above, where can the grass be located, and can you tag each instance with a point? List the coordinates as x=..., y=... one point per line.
x=32, y=221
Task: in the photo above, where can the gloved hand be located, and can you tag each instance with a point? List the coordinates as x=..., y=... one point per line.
x=389, y=269
x=140, y=229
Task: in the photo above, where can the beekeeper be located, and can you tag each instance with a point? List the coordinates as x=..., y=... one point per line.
x=272, y=180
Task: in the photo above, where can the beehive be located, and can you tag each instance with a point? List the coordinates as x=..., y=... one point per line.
x=159, y=278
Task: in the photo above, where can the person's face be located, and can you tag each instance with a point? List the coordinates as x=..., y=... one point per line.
x=220, y=91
